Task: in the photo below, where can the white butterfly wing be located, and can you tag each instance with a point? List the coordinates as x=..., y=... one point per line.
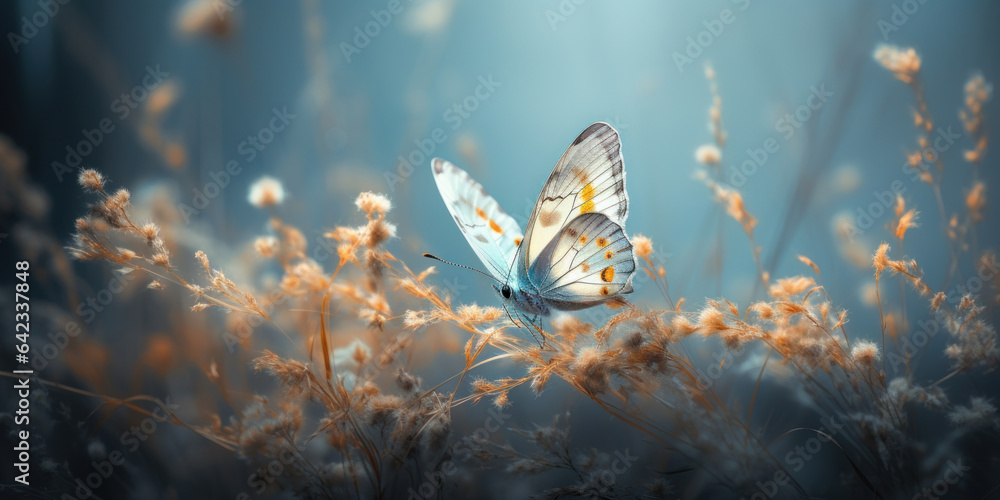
x=493, y=234
x=590, y=261
x=587, y=179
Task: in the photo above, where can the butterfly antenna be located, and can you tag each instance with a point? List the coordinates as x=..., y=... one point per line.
x=429, y=256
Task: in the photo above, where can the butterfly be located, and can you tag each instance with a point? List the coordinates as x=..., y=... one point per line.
x=574, y=253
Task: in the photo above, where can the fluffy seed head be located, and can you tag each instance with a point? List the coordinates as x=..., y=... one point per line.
x=266, y=192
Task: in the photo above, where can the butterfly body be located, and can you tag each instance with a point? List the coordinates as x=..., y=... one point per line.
x=524, y=297
x=574, y=253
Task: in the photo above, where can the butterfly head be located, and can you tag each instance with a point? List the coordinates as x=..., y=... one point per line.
x=506, y=292
x=522, y=299
x=509, y=294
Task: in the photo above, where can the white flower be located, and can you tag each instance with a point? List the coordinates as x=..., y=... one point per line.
x=708, y=154
x=266, y=192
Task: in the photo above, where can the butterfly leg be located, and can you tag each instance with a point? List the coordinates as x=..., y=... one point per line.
x=534, y=325
x=512, y=320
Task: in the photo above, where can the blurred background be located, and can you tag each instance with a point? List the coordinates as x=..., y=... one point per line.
x=195, y=101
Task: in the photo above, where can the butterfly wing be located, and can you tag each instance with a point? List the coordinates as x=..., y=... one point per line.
x=493, y=234
x=589, y=262
x=587, y=179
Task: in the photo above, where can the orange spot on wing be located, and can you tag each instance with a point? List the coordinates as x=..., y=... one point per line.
x=605, y=291
x=608, y=274
x=584, y=266
x=517, y=241
x=480, y=213
x=609, y=254
x=602, y=242
x=496, y=227
x=583, y=239
x=587, y=193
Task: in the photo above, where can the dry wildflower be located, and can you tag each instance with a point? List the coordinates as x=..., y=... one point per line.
x=785, y=288
x=482, y=385
x=473, y=314
x=539, y=381
x=980, y=413
x=715, y=110
x=975, y=201
x=736, y=208
x=865, y=353
x=425, y=273
x=906, y=221
x=378, y=232
x=104, y=212
x=151, y=232
x=383, y=408
x=708, y=154
x=155, y=285
x=407, y=381
x=162, y=259
x=977, y=93
x=590, y=371
x=937, y=301
x=162, y=97
x=290, y=372
x=903, y=63
x=633, y=341
x=266, y=192
x=266, y=246
x=529, y=466
x=209, y=17
x=91, y=180
x=711, y=321
x=203, y=259
x=119, y=199
x=683, y=326
x=175, y=155
x=807, y=261
x=975, y=341
x=880, y=261
x=437, y=411
x=352, y=356
x=372, y=203
x=570, y=327
x=763, y=310
x=501, y=400
x=642, y=246
x=415, y=319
